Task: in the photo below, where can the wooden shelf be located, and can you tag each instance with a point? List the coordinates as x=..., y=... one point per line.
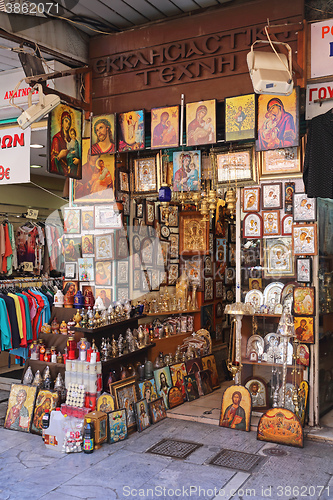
x=102, y=329
x=129, y=354
x=172, y=313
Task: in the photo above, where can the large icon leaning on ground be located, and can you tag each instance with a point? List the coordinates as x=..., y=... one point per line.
x=279, y=425
x=236, y=408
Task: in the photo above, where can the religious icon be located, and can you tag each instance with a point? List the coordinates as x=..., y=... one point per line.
x=236, y=408
x=131, y=131
x=271, y=222
x=304, y=329
x=103, y=135
x=165, y=127
x=20, y=407
x=252, y=226
x=304, y=239
x=251, y=199
x=187, y=171
x=201, y=120
x=240, y=117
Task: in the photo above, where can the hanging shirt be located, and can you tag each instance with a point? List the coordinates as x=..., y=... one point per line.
x=5, y=330
x=2, y=244
x=10, y=304
x=26, y=244
x=8, y=249
x=27, y=316
x=18, y=314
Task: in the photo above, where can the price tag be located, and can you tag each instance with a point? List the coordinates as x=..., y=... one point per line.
x=27, y=266
x=32, y=214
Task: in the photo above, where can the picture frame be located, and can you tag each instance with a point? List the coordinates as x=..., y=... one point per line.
x=258, y=389
x=304, y=269
x=286, y=225
x=278, y=257
x=20, y=407
x=105, y=293
x=174, y=245
x=123, y=181
x=162, y=252
x=219, y=310
x=137, y=279
x=142, y=415
x=104, y=246
x=279, y=163
x=209, y=363
x=124, y=199
x=131, y=131
x=221, y=250
x=136, y=244
x=86, y=269
x=122, y=293
x=122, y=251
x=147, y=390
x=230, y=275
x=117, y=425
x=269, y=428
x=103, y=273
x=165, y=127
x=163, y=382
x=201, y=122
x=240, y=117
x=154, y=278
x=122, y=272
x=46, y=400
x=186, y=171
x=87, y=218
x=65, y=127
x=304, y=301
x=178, y=371
x=146, y=170
x=278, y=121
x=237, y=166
x=209, y=289
x=173, y=273
x=304, y=329
x=165, y=232
x=150, y=213
x=175, y=397
x=191, y=387
x=253, y=226
x=304, y=239
x=304, y=208
x=105, y=402
x=87, y=245
x=236, y=396
x=193, y=268
x=271, y=222
x=255, y=283
x=139, y=209
x=108, y=217
x=207, y=320
x=147, y=251
x=232, y=254
x=208, y=266
x=251, y=199
x=218, y=289
x=72, y=221
x=271, y=196
x=157, y=410
x=163, y=276
x=289, y=190
x=124, y=392
x=70, y=270
x=193, y=233
x=145, y=282
x=103, y=126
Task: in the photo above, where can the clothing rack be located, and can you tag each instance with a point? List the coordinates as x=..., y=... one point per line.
x=26, y=282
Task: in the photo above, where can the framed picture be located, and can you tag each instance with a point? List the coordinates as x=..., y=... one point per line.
x=259, y=393
x=137, y=279
x=139, y=209
x=209, y=363
x=70, y=271
x=154, y=279
x=252, y=226
x=237, y=166
x=163, y=382
x=174, y=245
x=98, y=179
x=286, y=224
x=87, y=218
x=146, y=175
x=147, y=251
x=143, y=229
x=271, y=222
x=124, y=392
x=304, y=239
x=117, y=422
x=86, y=269
x=278, y=163
x=178, y=372
x=191, y=387
x=105, y=403
x=207, y=166
x=255, y=283
x=150, y=213
x=289, y=190
x=304, y=300
x=236, y=408
x=201, y=123
x=72, y=220
x=207, y=317
x=278, y=257
x=104, y=245
x=122, y=293
x=136, y=244
x=20, y=407
x=147, y=390
x=162, y=251
x=108, y=217
x=69, y=289
x=175, y=397
x=218, y=289
x=186, y=171
x=278, y=125
x=65, y=134
x=142, y=415
x=240, y=117
x=131, y=131
x=103, y=134
x=163, y=276
x=205, y=382
x=232, y=254
x=219, y=310
x=46, y=400
x=123, y=181
x=221, y=250
x=211, y=243
x=230, y=275
x=157, y=410
x=304, y=208
x=173, y=274
x=124, y=199
x=122, y=272
x=103, y=273
x=105, y=293
x=145, y=282
x=208, y=266
x=168, y=215
x=165, y=127
x=209, y=289
x=251, y=199
x=271, y=196
x=304, y=269
x=193, y=268
x=193, y=233
x=272, y=432
x=304, y=329
x=165, y=232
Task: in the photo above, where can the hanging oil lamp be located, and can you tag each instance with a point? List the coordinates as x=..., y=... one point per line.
x=230, y=199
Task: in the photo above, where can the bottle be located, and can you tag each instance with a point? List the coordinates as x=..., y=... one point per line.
x=45, y=421
x=88, y=437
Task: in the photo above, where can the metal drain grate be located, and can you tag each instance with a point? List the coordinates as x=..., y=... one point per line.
x=174, y=448
x=235, y=460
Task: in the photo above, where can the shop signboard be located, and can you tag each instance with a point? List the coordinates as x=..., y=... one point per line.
x=315, y=91
x=322, y=48
x=14, y=155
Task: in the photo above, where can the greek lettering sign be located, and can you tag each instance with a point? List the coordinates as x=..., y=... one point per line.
x=316, y=91
x=322, y=48
x=14, y=155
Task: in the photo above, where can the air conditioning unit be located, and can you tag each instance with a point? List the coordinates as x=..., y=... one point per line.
x=270, y=72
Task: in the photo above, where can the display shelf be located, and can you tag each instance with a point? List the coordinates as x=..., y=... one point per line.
x=264, y=363
x=105, y=328
x=130, y=354
x=35, y=365
x=172, y=313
